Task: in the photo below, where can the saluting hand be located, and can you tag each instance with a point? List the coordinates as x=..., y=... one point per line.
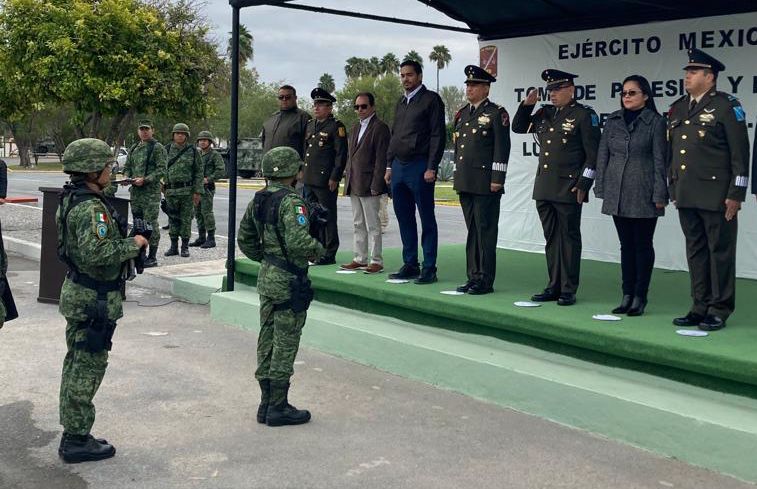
x=532, y=97
x=731, y=208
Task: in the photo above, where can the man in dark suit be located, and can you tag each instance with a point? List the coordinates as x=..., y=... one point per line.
x=568, y=135
x=325, y=158
x=709, y=170
x=482, y=150
x=415, y=150
x=364, y=183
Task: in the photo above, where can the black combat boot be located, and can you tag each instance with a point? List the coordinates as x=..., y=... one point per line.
x=265, y=397
x=211, y=241
x=174, y=249
x=184, y=248
x=200, y=239
x=151, y=260
x=84, y=448
x=280, y=412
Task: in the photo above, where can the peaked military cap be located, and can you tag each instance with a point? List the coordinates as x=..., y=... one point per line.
x=476, y=74
x=557, y=78
x=145, y=123
x=700, y=59
x=320, y=95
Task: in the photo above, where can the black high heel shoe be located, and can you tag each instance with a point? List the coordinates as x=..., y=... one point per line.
x=625, y=305
x=637, y=308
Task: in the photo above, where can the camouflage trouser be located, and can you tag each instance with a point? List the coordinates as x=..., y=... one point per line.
x=278, y=341
x=180, y=220
x=147, y=204
x=206, y=221
x=82, y=374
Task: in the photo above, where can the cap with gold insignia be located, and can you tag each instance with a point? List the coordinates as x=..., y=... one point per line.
x=145, y=123
x=557, y=78
x=699, y=59
x=320, y=95
x=476, y=74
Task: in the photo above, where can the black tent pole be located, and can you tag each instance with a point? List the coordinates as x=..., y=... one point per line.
x=233, y=139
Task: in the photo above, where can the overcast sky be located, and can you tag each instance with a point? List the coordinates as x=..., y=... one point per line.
x=298, y=47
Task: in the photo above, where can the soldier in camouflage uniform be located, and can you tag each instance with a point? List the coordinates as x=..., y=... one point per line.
x=182, y=187
x=92, y=242
x=146, y=165
x=213, y=169
x=274, y=231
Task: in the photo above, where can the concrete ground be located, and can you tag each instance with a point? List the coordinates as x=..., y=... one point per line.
x=179, y=403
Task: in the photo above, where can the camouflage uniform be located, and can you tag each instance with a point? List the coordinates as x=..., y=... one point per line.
x=213, y=169
x=183, y=179
x=95, y=247
x=145, y=200
x=280, y=327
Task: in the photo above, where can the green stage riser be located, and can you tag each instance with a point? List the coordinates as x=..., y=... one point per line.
x=702, y=427
x=724, y=360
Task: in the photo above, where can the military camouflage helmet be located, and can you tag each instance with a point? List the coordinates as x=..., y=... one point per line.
x=86, y=155
x=205, y=135
x=180, y=127
x=281, y=162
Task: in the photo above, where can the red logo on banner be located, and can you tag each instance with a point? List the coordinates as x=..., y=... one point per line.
x=488, y=59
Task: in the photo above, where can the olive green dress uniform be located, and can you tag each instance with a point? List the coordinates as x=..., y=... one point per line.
x=709, y=156
x=325, y=159
x=569, y=140
x=482, y=151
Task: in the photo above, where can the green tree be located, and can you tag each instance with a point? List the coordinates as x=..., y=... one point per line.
x=246, y=48
x=327, y=83
x=453, y=98
x=441, y=56
x=414, y=56
x=386, y=89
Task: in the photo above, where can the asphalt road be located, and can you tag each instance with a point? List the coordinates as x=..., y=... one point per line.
x=449, y=218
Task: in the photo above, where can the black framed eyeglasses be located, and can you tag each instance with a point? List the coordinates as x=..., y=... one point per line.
x=361, y=106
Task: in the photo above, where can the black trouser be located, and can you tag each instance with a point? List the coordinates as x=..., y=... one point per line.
x=711, y=253
x=562, y=230
x=329, y=235
x=481, y=214
x=636, y=253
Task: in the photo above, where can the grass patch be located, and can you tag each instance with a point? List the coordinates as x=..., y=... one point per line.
x=39, y=167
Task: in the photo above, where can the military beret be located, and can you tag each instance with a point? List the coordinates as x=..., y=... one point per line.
x=476, y=74
x=320, y=95
x=145, y=123
x=700, y=59
x=557, y=78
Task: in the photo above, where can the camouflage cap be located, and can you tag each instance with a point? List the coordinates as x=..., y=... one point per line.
x=205, y=135
x=86, y=155
x=281, y=162
x=180, y=127
x=145, y=123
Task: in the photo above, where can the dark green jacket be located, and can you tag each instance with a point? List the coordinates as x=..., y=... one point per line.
x=568, y=142
x=325, y=152
x=482, y=147
x=709, y=152
x=285, y=128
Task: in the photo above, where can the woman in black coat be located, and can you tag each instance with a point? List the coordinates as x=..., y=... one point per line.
x=631, y=180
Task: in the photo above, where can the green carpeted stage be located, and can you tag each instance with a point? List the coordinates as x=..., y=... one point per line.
x=725, y=360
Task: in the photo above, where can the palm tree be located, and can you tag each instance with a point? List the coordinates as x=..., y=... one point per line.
x=414, y=56
x=440, y=54
x=390, y=63
x=327, y=83
x=246, y=50
x=374, y=66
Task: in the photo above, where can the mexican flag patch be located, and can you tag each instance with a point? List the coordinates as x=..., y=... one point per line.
x=102, y=217
x=301, y=209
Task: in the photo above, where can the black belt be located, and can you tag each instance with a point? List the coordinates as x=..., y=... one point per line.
x=99, y=286
x=285, y=265
x=172, y=186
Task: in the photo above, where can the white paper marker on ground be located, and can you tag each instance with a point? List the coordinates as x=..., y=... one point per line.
x=606, y=317
x=527, y=304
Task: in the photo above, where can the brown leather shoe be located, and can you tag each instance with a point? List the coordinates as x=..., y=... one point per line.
x=353, y=266
x=374, y=268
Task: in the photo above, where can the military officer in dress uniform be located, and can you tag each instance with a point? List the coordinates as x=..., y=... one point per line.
x=325, y=159
x=568, y=134
x=482, y=150
x=709, y=155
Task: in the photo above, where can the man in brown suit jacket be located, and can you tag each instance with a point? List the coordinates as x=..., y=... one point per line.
x=366, y=165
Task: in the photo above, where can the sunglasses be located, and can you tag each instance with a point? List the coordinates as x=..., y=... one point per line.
x=284, y=97
x=361, y=106
x=630, y=93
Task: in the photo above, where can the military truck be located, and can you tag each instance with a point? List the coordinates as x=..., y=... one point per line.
x=249, y=157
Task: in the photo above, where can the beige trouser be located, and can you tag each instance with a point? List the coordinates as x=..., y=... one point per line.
x=383, y=211
x=365, y=219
